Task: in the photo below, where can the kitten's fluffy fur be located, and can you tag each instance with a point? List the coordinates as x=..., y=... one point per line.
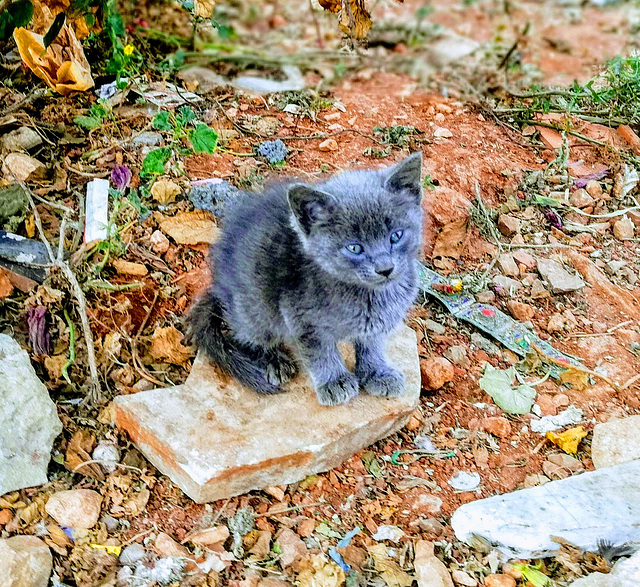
x=289, y=272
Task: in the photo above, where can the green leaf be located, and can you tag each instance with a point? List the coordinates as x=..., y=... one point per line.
x=17, y=14
x=88, y=122
x=90, y=19
x=498, y=384
x=54, y=29
x=372, y=464
x=155, y=161
x=98, y=110
x=161, y=120
x=203, y=138
x=327, y=531
x=185, y=115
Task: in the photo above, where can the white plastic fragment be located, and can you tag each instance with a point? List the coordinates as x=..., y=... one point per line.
x=392, y=533
x=96, y=210
x=568, y=417
x=463, y=481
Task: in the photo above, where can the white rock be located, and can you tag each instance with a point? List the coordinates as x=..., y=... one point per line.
x=28, y=420
x=107, y=455
x=616, y=441
x=25, y=561
x=392, y=533
x=75, y=508
x=625, y=573
x=582, y=509
x=560, y=280
x=463, y=481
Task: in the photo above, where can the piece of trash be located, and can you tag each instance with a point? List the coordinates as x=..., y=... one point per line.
x=166, y=95
x=337, y=558
x=499, y=385
x=109, y=548
x=23, y=256
x=392, y=533
x=325, y=530
x=463, y=481
x=570, y=416
x=500, y=326
x=568, y=440
x=96, y=210
x=424, y=443
x=293, y=83
x=292, y=109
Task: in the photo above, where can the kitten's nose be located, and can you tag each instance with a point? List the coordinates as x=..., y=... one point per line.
x=385, y=271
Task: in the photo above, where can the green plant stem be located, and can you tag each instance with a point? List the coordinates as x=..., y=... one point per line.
x=72, y=347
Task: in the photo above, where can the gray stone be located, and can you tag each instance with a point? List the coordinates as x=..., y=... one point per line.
x=215, y=438
x=506, y=284
x=612, y=267
x=615, y=442
x=560, y=280
x=203, y=79
x=28, y=420
x=451, y=47
x=25, y=561
x=132, y=554
x=625, y=573
x=583, y=509
x=485, y=344
x=435, y=327
x=148, y=138
x=457, y=354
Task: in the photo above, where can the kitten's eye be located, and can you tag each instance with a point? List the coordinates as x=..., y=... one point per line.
x=355, y=248
x=396, y=236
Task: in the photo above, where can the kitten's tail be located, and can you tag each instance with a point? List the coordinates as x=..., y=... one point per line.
x=209, y=332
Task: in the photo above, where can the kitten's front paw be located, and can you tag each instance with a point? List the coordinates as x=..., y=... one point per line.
x=386, y=383
x=338, y=391
x=280, y=367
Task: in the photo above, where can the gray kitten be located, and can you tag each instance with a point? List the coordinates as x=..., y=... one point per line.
x=307, y=266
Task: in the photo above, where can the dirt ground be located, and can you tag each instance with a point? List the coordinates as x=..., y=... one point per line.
x=464, y=144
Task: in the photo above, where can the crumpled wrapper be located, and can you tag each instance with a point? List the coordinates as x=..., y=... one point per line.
x=63, y=65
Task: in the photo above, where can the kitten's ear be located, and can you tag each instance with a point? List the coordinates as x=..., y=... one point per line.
x=405, y=177
x=309, y=205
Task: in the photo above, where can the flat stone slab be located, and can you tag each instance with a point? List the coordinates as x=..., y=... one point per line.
x=598, y=505
x=615, y=442
x=216, y=439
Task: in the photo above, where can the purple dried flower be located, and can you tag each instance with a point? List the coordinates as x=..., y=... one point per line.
x=552, y=218
x=582, y=182
x=121, y=177
x=39, y=336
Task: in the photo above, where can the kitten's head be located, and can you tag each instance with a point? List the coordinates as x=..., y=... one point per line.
x=362, y=227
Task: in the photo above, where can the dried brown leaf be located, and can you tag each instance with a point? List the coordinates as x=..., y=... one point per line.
x=190, y=228
x=79, y=452
x=166, y=345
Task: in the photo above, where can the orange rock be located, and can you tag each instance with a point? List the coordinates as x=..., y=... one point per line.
x=521, y=311
x=496, y=425
x=499, y=581
x=435, y=372
x=627, y=133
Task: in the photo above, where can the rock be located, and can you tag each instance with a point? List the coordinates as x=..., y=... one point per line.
x=25, y=561
x=484, y=344
x=21, y=139
x=430, y=526
x=107, y=455
x=328, y=145
x=75, y=508
x=167, y=546
x=507, y=265
x=556, y=323
x=450, y=47
x=203, y=434
x=291, y=546
x=21, y=167
x=534, y=479
x=615, y=442
x=594, y=189
x=566, y=462
x=201, y=79
x=111, y=523
x=560, y=280
x=508, y=225
x=435, y=327
x=538, y=290
x=129, y=268
x=624, y=229
x=159, y=242
x=581, y=199
x=498, y=426
x=132, y=554
x=486, y=297
x=625, y=573
x=306, y=527
x=550, y=137
x=463, y=578
x=436, y=371
x=521, y=311
x=499, y=581
x=612, y=267
x=28, y=420
x=582, y=509
x=429, y=569
x=553, y=471
x=442, y=133
x=5, y=517
x=148, y=138
x=386, y=532
x=457, y=354
x=506, y=284
x=525, y=259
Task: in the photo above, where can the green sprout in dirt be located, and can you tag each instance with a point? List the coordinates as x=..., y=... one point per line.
x=98, y=114
x=397, y=136
x=428, y=183
x=182, y=126
x=309, y=102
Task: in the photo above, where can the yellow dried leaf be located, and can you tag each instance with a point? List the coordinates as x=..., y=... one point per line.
x=164, y=191
x=355, y=20
x=568, y=440
x=331, y=5
x=389, y=569
x=204, y=8
x=190, y=228
x=79, y=452
x=135, y=505
x=62, y=65
x=166, y=345
x=319, y=571
x=579, y=380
